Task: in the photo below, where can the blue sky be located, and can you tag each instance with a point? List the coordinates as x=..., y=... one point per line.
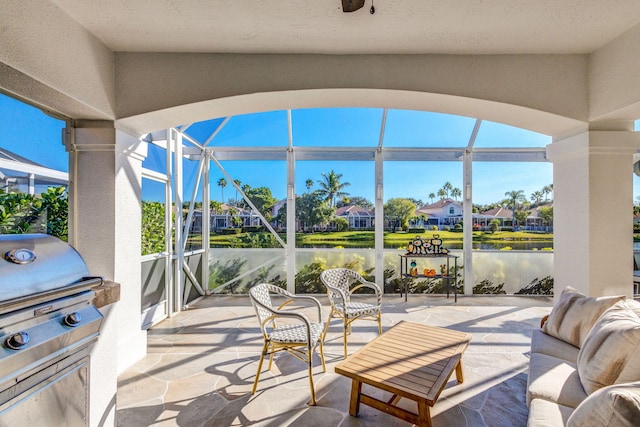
x=32, y=134
x=361, y=128
x=29, y=132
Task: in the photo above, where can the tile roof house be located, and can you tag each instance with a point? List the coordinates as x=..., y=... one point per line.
x=445, y=212
x=505, y=215
x=358, y=217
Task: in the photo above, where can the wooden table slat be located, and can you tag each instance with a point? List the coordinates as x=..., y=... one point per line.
x=417, y=382
x=416, y=330
x=366, y=363
x=385, y=353
x=408, y=344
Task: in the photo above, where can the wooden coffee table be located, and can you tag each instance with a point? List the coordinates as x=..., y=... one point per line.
x=409, y=360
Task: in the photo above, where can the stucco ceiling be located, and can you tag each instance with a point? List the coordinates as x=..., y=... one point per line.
x=320, y=26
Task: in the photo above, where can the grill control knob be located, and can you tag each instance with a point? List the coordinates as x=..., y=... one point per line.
x=17, y=341
x=72, y=319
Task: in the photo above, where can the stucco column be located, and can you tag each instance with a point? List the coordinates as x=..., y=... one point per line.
x=593, y=212
x=105, y=221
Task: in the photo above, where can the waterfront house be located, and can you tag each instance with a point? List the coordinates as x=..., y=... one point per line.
x=505, y=216
x=443, y=213
x=357, y=217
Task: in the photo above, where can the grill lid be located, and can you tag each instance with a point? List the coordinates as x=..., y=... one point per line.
x=32, y=264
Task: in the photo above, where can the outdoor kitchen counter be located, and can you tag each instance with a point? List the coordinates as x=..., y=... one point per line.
x=106, y=293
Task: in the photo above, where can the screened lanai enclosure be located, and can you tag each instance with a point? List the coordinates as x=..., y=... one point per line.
x=279, y=196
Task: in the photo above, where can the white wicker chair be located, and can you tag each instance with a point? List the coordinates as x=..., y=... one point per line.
x=298, y=336
x=339, y=282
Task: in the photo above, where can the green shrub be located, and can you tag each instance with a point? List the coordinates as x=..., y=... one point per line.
x=253, y=229
x=434, y=228
x=220, y=273
x=506, y=228
x=26, y=213
x=153, y=234
x=342, y=224
x=258, y=240
x=308, y=277
x=231, y=230
x=417, y=230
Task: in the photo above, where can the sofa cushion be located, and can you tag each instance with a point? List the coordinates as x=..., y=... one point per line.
x=634, y=306
x=611, y=351
x=574, y=314
x=543, y=413
x=555, y=380
x=616, y=405
x=546, y=344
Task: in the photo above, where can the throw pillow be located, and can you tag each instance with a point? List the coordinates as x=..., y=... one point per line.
x=617, y=405
x=611, y=351
x=574, y=314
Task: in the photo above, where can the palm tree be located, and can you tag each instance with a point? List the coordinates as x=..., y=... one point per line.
x=455, y=193
x=546, y=190
x=447, y=187
x=431, y=197
x=331, y=187
x=215, y=206
x=308, y=183
x=442, y=193
x=513, y=198
x=536, y=197
x=222, y=183
x=238, y=183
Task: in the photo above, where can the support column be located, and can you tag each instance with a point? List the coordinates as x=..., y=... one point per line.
x=290, y=248
x=206, y=224
x=379, y=219
x=174, y=140
x=593, y=212
x=467, y=217
x=105, y=227
x=31, y=184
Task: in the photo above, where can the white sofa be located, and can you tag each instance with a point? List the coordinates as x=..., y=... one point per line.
x=585, y=363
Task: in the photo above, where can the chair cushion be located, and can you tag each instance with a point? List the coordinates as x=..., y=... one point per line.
x=555, y=380
x=546, y=344
x=296, y=333
x=359, y=308
x=617, y=405
x=543, y=413
x=611, y=351
x=574, y=314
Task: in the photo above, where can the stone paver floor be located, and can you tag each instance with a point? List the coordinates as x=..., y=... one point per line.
x=201, y=364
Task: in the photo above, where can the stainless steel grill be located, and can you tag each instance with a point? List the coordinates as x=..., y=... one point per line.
x=48, y=325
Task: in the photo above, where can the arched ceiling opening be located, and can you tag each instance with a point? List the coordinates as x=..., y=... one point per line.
x=517, y=116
